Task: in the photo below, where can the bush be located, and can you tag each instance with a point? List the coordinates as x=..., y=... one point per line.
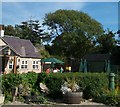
x=109, y=98
x=54, y=83
x=9, y=81
x=30, y=79
x=94, y=85
x=41, y=77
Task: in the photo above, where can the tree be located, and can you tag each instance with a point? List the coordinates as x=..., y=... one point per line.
x=107, y=42
x=9, y=30
x=32, y=30
x=74, y=32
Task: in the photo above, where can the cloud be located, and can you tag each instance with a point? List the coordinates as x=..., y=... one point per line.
x=15, y=12
x=62, y=5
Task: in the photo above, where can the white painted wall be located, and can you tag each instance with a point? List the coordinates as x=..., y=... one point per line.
x=2, y=43
x=29, y=65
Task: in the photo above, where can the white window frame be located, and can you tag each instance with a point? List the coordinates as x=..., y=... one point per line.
x=24, y=64
x=35, y=64
x=11, y=64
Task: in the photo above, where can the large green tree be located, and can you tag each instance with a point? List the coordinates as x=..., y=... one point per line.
x=75, y=32
x=107, y=42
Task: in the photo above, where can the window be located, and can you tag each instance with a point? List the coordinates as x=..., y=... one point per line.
x=35, y=64
x=10, y=64
x=18, y=60
x=24, y=65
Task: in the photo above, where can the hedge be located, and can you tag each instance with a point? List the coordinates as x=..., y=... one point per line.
x=93, y=85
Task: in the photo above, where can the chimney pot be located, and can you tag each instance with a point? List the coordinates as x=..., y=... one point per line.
x=0, y=27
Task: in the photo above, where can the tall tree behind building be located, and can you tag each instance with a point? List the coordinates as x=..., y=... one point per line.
x=30, y=30
x=106, y=42
x=74, y=32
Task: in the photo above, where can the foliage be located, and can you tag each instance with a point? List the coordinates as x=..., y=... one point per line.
x=30, y=78
x=42, y=51
x=9, y=30
x=75, y=32
x=96, y=82
x=1, y=85
x=41, y=78
x=54, y=84
x=30, y=30
x=106, y=42
x=109, y=98
x=94, y=85
x=9, y=81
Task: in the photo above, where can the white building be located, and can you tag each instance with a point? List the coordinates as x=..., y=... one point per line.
x=18, y=54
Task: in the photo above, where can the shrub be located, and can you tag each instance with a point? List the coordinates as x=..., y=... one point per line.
x=41, y=77
x=54, y=83
x=9, y=81
x=29, y=83
x=109, y=98
x=94, y=85
x=30, y=78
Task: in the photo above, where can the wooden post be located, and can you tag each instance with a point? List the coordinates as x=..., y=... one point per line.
x=15, y=64
x=14, y=93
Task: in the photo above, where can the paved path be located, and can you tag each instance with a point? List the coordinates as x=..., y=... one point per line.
x=83, y=104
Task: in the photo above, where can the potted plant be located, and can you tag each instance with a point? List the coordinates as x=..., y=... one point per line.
x=72, y=93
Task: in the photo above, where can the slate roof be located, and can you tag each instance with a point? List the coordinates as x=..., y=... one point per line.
x=97, y=57
x=1, y=50
x=21, y=47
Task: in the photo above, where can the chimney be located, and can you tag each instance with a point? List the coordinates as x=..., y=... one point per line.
x=1, y=31
x=23, y=50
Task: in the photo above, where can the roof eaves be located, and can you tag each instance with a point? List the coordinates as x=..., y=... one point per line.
x=11, y=47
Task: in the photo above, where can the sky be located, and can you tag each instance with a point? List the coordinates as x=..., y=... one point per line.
x=16, y=12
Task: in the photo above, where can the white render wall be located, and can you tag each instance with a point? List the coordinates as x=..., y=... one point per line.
x=2, y=43
x=29, y=65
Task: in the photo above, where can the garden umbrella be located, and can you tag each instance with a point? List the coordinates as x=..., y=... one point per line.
x=81, y=66
x=52, y=60
x=108, y=67
x=85, y=66
x=105, y=65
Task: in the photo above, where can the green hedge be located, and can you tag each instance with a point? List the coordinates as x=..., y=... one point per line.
x=9, y=81
x=94, y=85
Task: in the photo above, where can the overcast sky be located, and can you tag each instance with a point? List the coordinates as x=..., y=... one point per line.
x=104, y=12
